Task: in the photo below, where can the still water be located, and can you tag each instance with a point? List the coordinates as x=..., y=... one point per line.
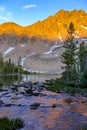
x=6, y=80
x=39, y=77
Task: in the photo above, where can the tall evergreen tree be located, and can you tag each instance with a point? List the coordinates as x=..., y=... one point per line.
x=69, y=57
x=19, y=65
x=1, y=63
x=82, y=56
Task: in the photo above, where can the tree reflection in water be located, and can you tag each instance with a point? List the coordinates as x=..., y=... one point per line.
x=9, y=79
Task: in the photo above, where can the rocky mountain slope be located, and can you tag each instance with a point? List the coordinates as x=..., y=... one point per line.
x=53, y=27
x=40, y=45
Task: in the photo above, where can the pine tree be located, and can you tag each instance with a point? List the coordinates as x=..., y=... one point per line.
x=82, y=55
x=19, y=69
x=69, y=57
x=19, y=65
x=1, y=63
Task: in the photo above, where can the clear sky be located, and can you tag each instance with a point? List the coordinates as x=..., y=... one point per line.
x=27, y=12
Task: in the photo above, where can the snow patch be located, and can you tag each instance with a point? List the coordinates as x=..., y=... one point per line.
x=33, y=53
x=41, y=72
x=59, y=23
x=8, y=50
x=22, y=45
x=60, y=37
x=84, y=27
x=23, y=61
x=57, y=55
x=53, y=48
x=76, y=34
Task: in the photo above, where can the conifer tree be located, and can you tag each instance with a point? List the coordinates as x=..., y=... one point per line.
x=1, y=63
x=82, y=55
x=69, y=57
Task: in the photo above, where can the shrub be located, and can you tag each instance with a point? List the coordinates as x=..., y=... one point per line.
x=84, y=127
x=71, y=83
x=10, y=124
x=84, y=80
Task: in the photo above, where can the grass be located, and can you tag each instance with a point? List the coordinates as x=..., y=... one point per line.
x=84, y=127
x=10, y=124
x=61, y=86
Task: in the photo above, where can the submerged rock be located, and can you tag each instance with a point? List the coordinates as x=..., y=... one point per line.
x=54, y=105
x=43, y=110
x=34, y=106
x=68, y=100
x=1, y=102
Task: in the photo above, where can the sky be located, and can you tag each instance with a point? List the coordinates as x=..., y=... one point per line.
x=27, y=12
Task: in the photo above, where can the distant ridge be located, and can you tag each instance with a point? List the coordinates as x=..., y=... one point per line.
x=52, y=28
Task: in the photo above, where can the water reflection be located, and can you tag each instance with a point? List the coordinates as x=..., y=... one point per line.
x=40, y=77
x=7, y=80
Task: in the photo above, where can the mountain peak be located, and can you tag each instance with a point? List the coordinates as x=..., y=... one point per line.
x=9, y=24
x=51, y=27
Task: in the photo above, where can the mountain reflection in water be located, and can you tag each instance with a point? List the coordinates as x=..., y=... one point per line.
x=7, y=80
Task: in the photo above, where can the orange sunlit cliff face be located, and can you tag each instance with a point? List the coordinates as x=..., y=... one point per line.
x=51, y=28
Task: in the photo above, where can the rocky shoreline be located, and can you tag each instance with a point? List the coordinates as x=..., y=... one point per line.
x=41, y=109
